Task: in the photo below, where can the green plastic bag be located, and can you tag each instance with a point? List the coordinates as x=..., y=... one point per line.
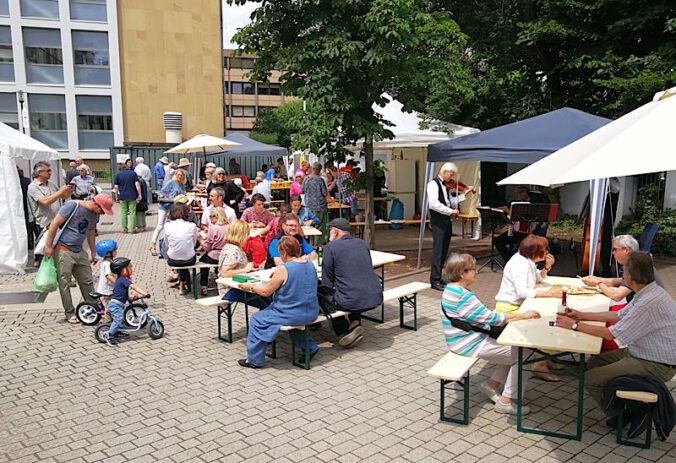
x=46, y=280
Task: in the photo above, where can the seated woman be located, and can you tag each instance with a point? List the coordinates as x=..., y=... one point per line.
x=459, y=303
x=233, y=261
x=257, y=216
x=180, y=236
x=304, y=214
x=519, y=280
x=213, y=243
x=294, y=285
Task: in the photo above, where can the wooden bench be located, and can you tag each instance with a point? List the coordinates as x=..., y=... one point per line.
x=306, y=339
x=222, y=308
x=407, y=296
x=195, y=268
x=453, y=368
x=637, y=396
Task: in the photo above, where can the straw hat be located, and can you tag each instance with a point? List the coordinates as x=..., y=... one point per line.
x=183, y=199
x=184, y=162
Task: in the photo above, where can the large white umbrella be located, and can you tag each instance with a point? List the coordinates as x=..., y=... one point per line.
x=640, y=142
x=201, y=144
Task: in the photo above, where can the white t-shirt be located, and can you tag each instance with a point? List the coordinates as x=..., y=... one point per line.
x=105, y=286
x=181, y=237
x=264, y=189
x=229, y=214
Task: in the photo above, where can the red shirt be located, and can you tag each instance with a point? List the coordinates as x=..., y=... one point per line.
x=255, y=251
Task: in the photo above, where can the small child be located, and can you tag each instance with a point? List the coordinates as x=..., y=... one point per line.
x=107, y=249
x=121, y=266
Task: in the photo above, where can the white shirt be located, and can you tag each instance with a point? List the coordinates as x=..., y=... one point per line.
x=181, y=237
x=105, y=286
x=229, y=214
x=143, y=171
x=518, y=280
x=264, y=189
x=445, y=208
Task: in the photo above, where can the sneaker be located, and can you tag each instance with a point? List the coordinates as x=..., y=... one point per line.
x=352, y=337
x=489, y=392
x=246, y=364
x=510, y=408
x=111, y=340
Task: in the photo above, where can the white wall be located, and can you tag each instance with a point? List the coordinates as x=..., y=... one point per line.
x=572, y=197
x=670, y=190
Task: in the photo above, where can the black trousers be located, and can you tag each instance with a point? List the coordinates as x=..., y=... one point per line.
x=183, y=275
x=441, y=241
x=341, y=325
x=508, y=245
x=204, y=272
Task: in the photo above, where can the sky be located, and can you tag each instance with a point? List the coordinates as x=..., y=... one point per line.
x=233, y=18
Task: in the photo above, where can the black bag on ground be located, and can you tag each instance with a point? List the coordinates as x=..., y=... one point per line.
x=327, y=304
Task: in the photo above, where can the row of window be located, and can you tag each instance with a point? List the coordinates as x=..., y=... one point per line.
x=80, y=10
x=235, y=62
x=248, y=88
x=44, y=56
x=48, y=122
x=245, y=111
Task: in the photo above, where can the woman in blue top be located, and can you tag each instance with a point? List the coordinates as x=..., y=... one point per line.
x=175, y=186
x=294, y=303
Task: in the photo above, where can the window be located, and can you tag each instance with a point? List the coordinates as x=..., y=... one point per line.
x=4, y=8
x=94, y=122
x=88, y=10
x=6, y=57
x=90, y=55
x=40, y=9
x=241, y=63
x=44, y=58
x=243, y=88
x=48, y=119
x=8, y=113
x=243, y=111
x=269, y=89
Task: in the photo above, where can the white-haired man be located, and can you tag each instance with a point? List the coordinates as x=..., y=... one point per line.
x=145, y=174
x=443, y=204
x=616, y=288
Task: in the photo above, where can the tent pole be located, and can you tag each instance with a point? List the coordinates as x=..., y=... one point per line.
x=598, y=189
x=429, y=172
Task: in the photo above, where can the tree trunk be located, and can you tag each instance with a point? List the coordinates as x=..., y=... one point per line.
x=369, y=228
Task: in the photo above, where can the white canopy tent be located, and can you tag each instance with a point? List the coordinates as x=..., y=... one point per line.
x=202, y=143
x=639, y=142
x=15, y=145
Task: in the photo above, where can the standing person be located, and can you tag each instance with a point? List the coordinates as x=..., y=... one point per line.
x=233, y=195
x=160, y=172
x=213, y=243
x=70, y=257
x=82, y=184
x=128, y=192
x=72, y=171
x=144, y=173
x=169, y=170
x=29, y=220
x=44, y=198
x=348, y=270
x=293, y=288
x=216, y=198
x=443, y=208
x=166, y=197
x=233, y=167
x=262, y=187
x=342, y=181
x=184, y=164
x=142, y=208
x=181, y=236
x=296, y=188
x=218, y=180
x=316, y=193
x=107, y=251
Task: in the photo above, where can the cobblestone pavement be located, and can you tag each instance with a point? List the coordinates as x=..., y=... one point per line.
x=64, y=397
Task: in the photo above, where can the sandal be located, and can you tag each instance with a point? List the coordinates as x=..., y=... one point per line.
x=546, y=376
x=153, y=250
x=73, y=320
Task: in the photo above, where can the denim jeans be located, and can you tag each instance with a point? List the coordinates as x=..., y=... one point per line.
x=116, y=310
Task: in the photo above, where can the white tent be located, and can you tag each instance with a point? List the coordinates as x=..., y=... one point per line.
x=13, y=241
x=639, y=142
x=201, y=144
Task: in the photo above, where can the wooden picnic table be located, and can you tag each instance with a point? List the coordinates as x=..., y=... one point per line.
x=547, y=341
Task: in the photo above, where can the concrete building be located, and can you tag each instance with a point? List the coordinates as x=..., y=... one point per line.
x=244, y=100
x=85, y=75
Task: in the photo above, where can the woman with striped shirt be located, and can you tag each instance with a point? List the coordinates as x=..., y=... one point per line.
x=460, y=303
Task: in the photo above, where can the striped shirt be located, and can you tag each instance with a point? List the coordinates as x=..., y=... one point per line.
x=647, y=326
x=457, y=302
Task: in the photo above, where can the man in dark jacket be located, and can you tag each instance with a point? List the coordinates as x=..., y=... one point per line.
x=348, y=269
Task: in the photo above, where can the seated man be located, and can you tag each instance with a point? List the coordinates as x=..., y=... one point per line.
x=507, y=244
x=290, y=227
x=304, y=214
x=347, y=269
x=646, y=326
x=257, y=216
x=216, y=197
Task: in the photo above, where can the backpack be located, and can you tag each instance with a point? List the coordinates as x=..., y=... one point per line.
x=327, y=303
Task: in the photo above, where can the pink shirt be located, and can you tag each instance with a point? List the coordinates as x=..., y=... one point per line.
x=215, y=240
x=296, y=189
x=250, y=215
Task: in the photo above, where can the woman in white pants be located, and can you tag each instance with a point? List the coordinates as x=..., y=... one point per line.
x=461, y=313
x=175, y=186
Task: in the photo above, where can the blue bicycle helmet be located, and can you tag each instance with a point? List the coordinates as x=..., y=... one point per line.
x=104, y=247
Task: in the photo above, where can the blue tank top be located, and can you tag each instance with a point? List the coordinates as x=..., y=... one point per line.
x=300, y=290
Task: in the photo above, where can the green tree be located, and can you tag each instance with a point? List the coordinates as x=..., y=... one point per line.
x=342, y=55
x=606, y=57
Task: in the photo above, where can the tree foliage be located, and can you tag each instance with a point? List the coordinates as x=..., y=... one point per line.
x=606, y=57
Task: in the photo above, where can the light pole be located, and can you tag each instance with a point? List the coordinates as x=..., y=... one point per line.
x=24, y=120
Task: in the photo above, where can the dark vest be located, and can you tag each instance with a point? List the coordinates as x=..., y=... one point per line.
x=435, y=216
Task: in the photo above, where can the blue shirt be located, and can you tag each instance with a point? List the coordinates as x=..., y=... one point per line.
x=121, y=289
x=169, y=192
x=305, y=214
x=75, y=232
x=273, y=252
x=159, y=170
x=270, y=174
x=126, y=182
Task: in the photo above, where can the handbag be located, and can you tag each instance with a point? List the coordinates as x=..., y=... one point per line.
x=493, y=331
x=42, y=239
x=327, y=302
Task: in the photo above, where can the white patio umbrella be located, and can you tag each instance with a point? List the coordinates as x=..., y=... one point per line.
x=201, y=144
x=640, y=142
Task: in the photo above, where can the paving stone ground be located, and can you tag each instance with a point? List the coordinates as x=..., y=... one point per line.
x=64, y=397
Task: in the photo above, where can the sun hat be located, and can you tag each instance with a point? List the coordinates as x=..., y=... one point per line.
x=164, y=160
x=183, y=199
x=184, y=162
x=210, y=164
x=105, y=202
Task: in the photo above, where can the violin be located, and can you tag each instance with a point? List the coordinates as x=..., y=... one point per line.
x=461, y=187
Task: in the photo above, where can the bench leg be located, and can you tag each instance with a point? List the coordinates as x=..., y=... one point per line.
x=465, y=399
x=306, y=349
x=228, y=311
x=273, y=350
x=412, y=302
x=648, y=434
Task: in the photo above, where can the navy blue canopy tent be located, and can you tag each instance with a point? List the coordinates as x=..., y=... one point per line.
x=525, y=141
x=251, y=155
x=253, y=147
